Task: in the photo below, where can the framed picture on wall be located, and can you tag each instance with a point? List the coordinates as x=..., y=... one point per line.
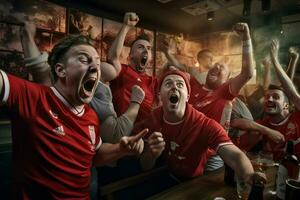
x=86, y=24
x=46, y=15
x=110, y=31
x=45, y=40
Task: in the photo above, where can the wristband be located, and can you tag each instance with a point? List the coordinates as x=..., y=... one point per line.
x=43, y=57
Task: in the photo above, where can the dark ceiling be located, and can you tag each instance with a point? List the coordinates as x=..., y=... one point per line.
x=170, y=17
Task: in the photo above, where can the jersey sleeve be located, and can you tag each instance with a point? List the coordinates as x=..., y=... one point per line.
x=217, y=136
x=20, y=96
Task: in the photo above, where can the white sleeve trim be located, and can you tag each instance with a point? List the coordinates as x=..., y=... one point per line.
x=98, y=145
x=222, y=144
x=5, y=87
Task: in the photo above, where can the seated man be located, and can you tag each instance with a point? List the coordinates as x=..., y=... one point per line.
x=280, y=118
x=56, y=136
x=183, y=134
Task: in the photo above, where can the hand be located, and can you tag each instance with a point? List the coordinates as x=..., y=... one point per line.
x=275, y=136
x=131, y=19
x=259, y=178
x=274, y=49
x=132, y=145
x=266, y=63
x=242, y=30
x=155, y=144
x=164, y=45
x=293, y=52
x=137, y=94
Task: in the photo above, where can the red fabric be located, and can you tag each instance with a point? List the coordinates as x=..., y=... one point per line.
x=42, y=158
x=185, y=76
x=121, y=91
x=191, y=140
x=291, y=131
x=210, y=102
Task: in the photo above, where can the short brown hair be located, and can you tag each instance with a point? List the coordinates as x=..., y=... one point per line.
x=61, y=48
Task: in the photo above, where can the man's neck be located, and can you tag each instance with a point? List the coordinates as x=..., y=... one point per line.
x=276, y=119
x=68, y=97
x=174, y=117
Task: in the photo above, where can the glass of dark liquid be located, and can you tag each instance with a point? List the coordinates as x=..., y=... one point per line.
x=292, y=191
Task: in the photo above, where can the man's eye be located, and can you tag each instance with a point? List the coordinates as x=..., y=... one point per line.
x=84, y=59
x=180, y=85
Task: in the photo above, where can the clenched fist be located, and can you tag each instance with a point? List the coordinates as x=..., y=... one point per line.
x=242, y=30
x=131, y=19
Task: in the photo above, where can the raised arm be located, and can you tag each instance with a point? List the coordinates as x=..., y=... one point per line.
x=110, y=72
x=34, y=59
x=246, y=73
x=294, y=57
x=113, y=128
x=286, y=82
x=267, y=73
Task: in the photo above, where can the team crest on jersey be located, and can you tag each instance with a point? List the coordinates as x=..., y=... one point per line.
x=92, y=134
x=59, y=130
x=291, y=128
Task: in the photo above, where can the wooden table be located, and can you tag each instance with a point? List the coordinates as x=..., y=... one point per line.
x=209, y=186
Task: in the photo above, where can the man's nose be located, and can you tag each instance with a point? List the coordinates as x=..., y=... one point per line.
x=94, y=67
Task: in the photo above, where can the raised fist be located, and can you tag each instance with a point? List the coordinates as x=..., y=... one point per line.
x=137, y=94
x=131, y=19
x=242, y=30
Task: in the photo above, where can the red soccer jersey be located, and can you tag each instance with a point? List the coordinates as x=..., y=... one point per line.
x=121, y=91
x=290, y=128
x=53, y=148
x=210, y=102
x=187, y=143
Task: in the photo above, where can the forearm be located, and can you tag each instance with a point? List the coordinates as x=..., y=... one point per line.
x=237, y=160
x=173, y=61
x=292, y=66
x=266, y=78
x=132, y=111
x=247, y=59
x=287, y=83
x=117, y=45
x=248, y=125
x=113, y=128
x=107, y=154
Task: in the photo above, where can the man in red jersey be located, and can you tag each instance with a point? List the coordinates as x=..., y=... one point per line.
x=122, y=77
x=280, y=116
x=184, y=134
x=211, y=97
x=56, y=136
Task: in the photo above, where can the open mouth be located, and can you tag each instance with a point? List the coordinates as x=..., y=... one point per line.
x=174, y=98
x=144, y=60
x=270, y=105
x=89, y=84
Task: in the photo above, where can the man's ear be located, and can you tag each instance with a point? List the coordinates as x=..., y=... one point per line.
x=60, y=70
x=158, y=96
x=188, y=97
